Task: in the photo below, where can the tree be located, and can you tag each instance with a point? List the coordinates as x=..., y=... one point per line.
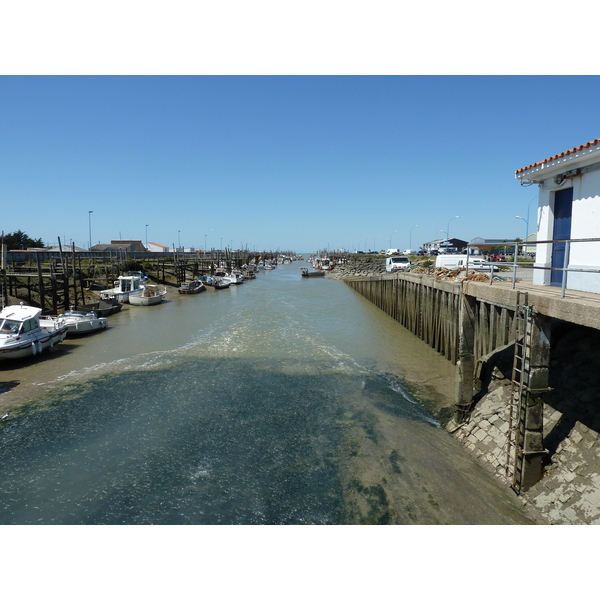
x=19, y=240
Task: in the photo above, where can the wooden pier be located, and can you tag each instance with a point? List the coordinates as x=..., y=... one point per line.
x=57, y=281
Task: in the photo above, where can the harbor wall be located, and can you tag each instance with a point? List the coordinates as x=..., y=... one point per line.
x=567, y=490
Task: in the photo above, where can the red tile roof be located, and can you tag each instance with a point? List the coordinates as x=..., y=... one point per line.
x=561, y=155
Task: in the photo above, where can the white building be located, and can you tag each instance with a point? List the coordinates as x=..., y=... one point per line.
x=568, y=209
x=154, y=247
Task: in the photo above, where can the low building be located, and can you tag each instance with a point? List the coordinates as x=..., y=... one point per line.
x=154, y=247
x=568, y=217
x=482, y=245
x=445, y=245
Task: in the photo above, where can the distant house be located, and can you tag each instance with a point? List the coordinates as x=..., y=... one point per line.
x=568, y=209
x=135, y=245
x=154, y=247
x=443, y=245
x=487, y=245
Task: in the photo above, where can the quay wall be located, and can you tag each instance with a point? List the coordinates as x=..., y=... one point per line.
x=429, y=308
x=569, y=490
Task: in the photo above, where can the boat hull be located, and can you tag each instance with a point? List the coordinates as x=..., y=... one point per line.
x=34, y=345
x=149, y=297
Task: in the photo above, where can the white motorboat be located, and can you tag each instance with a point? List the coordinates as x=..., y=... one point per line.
x=230, y=277
x=21, y=333
x=192, y=287
x=149, y=295
x=124, y=287
x=79, y=322
x=215, y=282
x=143, y=276
x=237, y=276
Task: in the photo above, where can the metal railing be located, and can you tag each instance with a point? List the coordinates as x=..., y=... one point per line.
x=565, y=269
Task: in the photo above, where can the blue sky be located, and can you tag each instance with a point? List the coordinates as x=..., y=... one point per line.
x=281, y=162
x=288, y=162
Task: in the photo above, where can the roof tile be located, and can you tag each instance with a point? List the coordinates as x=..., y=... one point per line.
x=561, y=155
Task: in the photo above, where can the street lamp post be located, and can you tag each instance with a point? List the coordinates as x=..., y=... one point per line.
x=391, y=237
x=448, y=228
x=410, y=237
x=526, y=230
x=178, y=238
x=146, y=238
x=90, y=224
x=528, y=207
x=205, y=243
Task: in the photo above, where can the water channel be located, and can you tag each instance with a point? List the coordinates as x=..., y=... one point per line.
x=284, y=400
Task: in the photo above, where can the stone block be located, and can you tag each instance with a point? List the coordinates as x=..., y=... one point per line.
x=480, y=435
x=576, y=437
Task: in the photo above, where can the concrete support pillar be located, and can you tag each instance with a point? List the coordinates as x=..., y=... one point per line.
x=533, y=435
x=465, y=365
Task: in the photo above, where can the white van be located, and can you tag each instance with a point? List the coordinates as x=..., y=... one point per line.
x=396, y=263
x=459, y=261
x=392, y=251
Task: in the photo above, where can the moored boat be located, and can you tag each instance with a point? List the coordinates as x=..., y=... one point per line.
x=215, y=282
x=124, y=287
x=306, y=273
x=78, y=322
x=102, y=308
x=192, y=287
x=21, y=333
x=149, y=296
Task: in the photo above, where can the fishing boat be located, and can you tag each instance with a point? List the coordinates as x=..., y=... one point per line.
x=102, y=308
x=306, y=273
x=78, y=322
x=124, y=287
x=143, y=276
x=238, y=276
x=192, y=287
x=221, y=283
x=149, y=296
x=21, y=333
x=215, y=282
x=234, y=277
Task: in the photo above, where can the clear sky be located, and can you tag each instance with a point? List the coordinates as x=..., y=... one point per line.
x=281, y=162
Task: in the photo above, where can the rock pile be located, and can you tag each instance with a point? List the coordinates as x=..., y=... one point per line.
x=358, y=269
x=377, y=268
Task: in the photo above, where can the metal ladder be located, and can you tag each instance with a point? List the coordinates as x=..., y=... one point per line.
x=519, y=392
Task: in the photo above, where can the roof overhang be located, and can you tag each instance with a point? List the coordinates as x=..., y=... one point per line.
x=563, y=166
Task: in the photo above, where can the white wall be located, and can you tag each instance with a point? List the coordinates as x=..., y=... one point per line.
x=585, y=224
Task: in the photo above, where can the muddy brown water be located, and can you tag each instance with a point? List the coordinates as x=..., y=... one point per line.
x=285, y=400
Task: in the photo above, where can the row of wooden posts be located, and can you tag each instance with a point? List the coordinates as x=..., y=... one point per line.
x=430, y=309
x=467, y=330
x=60, y=283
